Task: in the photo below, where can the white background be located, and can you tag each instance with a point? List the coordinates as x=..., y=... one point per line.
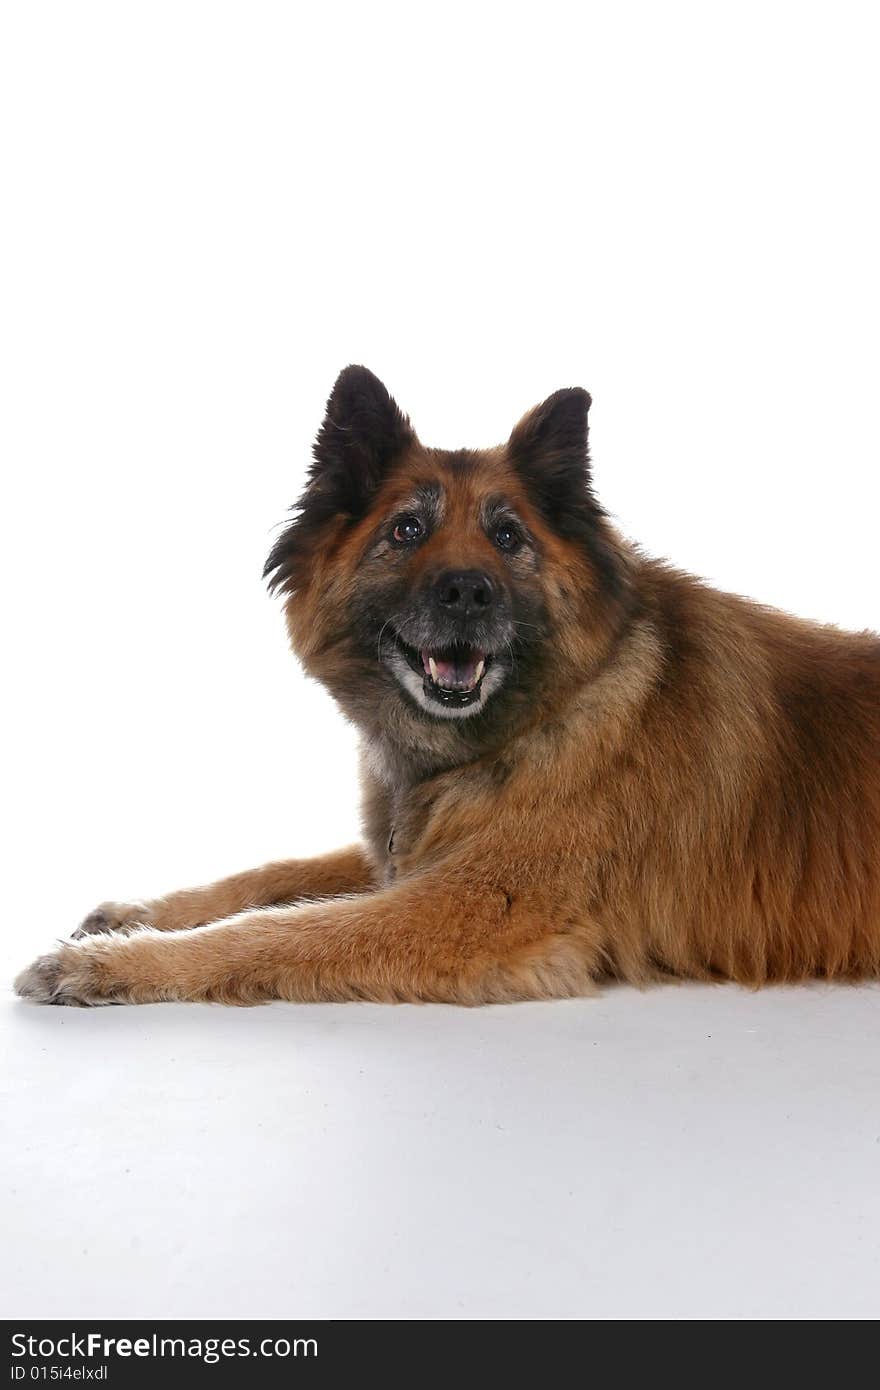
x=208, y=209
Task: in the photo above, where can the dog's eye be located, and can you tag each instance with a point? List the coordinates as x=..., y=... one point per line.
x=506, y=537
x=407, y=529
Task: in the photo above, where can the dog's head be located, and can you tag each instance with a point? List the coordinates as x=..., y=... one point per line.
x=449, y=582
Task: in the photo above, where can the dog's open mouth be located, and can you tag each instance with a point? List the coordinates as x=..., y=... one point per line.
x=451, y=675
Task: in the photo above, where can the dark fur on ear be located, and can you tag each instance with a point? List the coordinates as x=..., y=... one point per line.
x=364, y=430
x=550, y=450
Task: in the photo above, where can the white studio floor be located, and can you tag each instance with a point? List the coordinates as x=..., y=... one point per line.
x=687, y=1152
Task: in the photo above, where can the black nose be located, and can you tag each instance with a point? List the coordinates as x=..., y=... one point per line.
x=464, y=593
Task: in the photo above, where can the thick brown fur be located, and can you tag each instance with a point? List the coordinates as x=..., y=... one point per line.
x=667, y=780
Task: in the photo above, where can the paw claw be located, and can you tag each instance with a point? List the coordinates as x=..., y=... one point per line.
x=97, y=921
x=57, y=979
x=40, y=981
x=112, y=917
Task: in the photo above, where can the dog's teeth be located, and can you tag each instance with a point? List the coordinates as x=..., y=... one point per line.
x=479, y=669
x=432, y=666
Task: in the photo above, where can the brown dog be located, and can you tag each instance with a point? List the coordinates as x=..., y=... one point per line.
x=578, y=763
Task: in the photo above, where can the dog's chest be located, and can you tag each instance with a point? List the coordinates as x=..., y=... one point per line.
x=408, y=817
x=400, y=817
x=393, y=816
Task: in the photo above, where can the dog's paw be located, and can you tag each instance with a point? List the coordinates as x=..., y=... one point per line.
x=64, y=976
x=113, y=917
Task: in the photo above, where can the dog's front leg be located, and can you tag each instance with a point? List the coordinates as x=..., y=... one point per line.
x=427, y=938
x=285, y=881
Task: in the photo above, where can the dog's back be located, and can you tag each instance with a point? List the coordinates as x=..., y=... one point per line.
x=743, y=810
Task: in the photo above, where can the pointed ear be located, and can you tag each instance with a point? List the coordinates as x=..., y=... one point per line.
x=363, y=431
x=549, y=449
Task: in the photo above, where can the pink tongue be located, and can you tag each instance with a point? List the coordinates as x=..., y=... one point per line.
x=453, y=675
